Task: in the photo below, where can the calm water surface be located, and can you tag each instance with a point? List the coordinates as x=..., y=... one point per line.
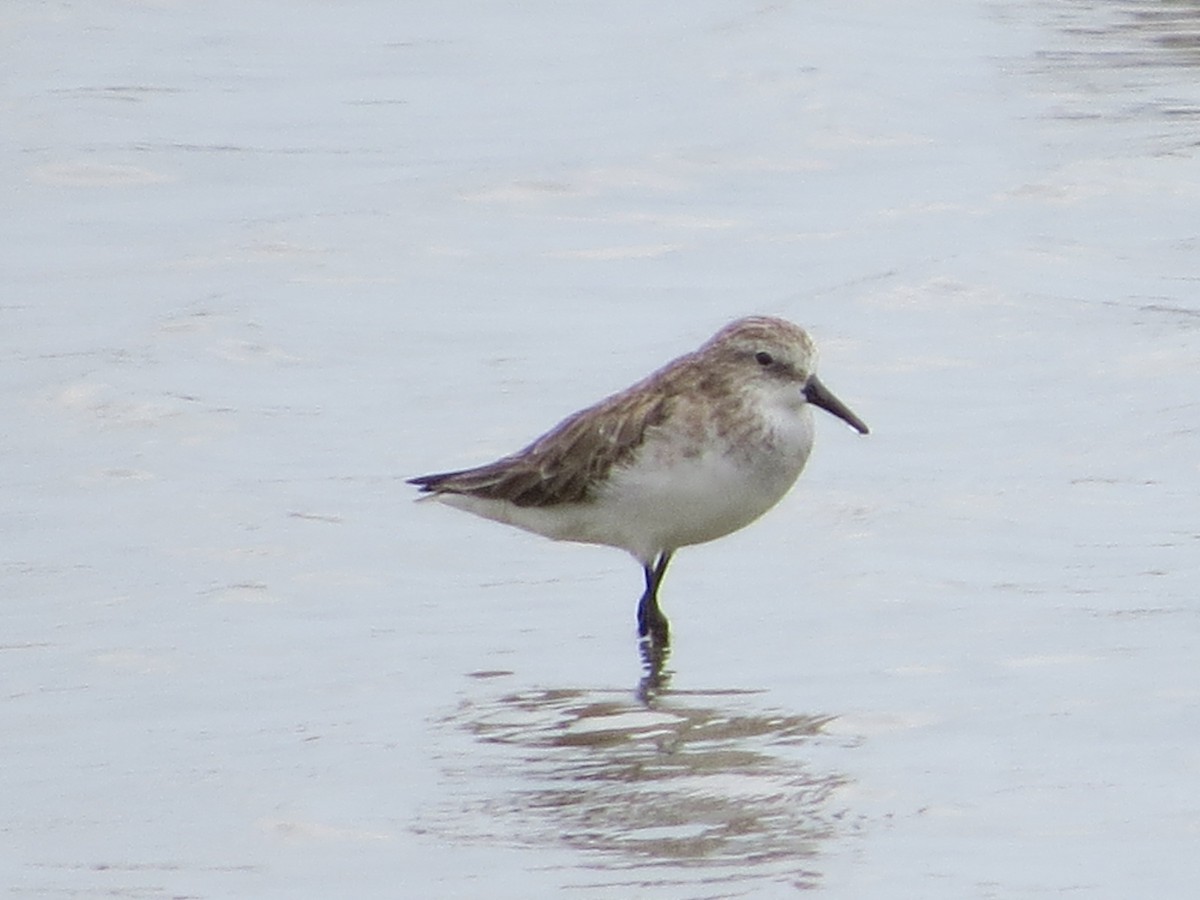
x=262, y=262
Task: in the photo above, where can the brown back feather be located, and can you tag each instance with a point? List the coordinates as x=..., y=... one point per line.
x=563, y=465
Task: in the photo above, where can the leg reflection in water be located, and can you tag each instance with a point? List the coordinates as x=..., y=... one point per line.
x=655, y=676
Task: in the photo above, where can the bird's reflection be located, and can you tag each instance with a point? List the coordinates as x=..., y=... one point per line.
x=698, y=785
x=655, y=676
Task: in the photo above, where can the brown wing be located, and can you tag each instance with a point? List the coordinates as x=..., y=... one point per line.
x=562, y=465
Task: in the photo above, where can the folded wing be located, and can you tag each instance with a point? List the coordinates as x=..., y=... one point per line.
x=565, y=464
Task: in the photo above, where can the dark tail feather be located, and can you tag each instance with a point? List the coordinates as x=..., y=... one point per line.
x=501, y=480
x=481, y=481
x=432, y=483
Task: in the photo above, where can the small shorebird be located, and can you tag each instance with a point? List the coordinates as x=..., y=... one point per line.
x=695, y=451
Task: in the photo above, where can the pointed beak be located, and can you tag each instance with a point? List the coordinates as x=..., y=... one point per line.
x=819, y=395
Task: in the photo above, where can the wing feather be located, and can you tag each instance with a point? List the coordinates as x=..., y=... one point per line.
x=563, y=465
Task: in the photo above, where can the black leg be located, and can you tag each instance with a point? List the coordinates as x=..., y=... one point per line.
x=651, y=621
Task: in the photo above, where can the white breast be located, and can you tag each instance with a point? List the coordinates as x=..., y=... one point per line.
x=665, y=500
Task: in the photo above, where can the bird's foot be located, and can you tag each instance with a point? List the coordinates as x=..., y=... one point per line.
x=653, y=626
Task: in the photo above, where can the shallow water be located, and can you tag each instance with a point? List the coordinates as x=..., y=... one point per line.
x=261, y=263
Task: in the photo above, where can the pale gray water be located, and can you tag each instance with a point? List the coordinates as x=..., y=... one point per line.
x=261, y=261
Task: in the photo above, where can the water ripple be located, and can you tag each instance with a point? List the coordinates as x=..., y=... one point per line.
x=690, y=789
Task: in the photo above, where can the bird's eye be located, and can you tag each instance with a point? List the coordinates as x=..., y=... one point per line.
x=764, y=358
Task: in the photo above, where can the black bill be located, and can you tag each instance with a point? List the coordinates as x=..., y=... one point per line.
x=819, y=395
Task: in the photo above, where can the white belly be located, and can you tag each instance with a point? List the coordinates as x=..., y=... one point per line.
x=647, y=509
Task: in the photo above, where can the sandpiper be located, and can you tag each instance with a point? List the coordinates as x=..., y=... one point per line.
x=695, y=451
